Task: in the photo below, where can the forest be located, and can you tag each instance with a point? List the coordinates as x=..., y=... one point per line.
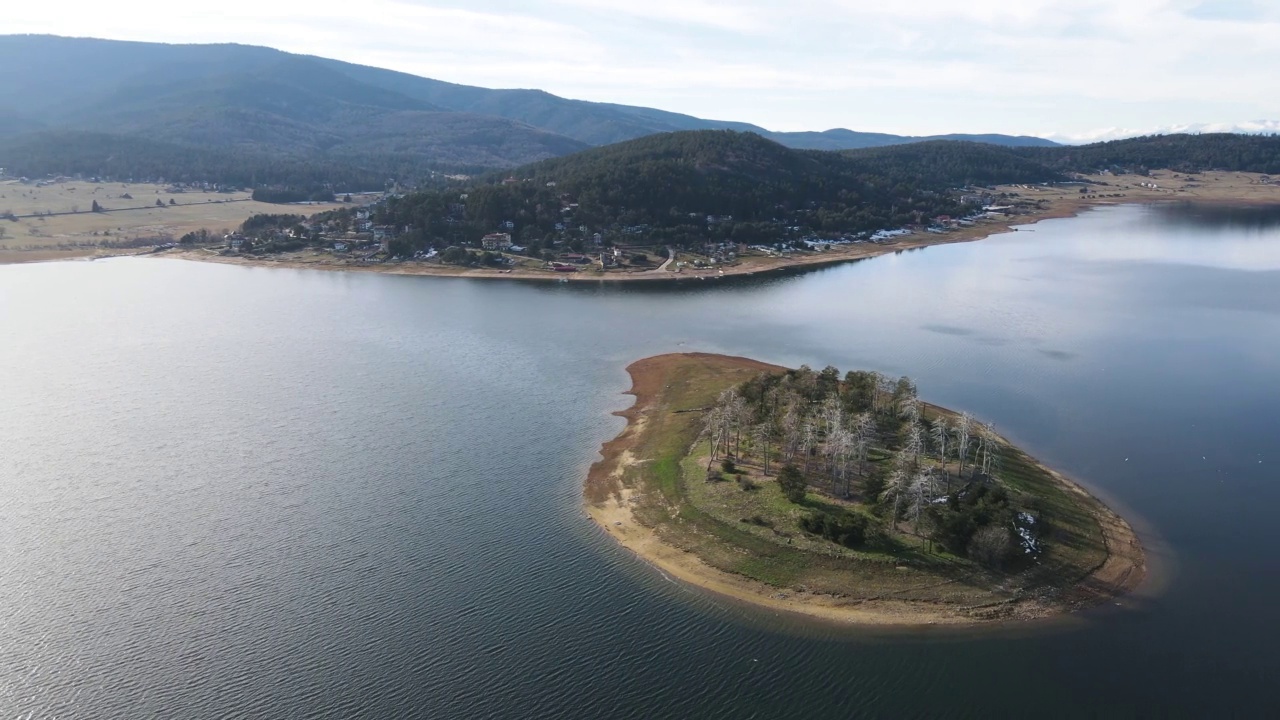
x=887, y=465
x=693, y=187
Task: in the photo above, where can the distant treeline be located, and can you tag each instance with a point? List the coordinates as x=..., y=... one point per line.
x=1183, y=153
x=658, y=180
x=124, y=157
x=292, y=195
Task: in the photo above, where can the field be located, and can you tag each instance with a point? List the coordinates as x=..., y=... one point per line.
x=54, y=221
x=651, y=494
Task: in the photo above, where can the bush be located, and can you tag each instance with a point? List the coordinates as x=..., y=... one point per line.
x=728, y=467
x=747, y=483
x=992, y=546
x=793, y=483
x=758, y=521
x=847, y=529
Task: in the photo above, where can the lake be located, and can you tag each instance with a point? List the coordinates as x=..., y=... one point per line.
x=250, y=492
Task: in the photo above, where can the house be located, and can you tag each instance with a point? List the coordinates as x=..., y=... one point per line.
x=496, y=241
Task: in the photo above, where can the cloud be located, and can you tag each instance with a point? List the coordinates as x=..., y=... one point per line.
x=1254, y=127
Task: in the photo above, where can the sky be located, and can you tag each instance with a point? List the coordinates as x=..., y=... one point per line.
x=1071, y=70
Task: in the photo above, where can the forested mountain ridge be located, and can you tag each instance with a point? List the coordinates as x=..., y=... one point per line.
x=1184, y=153
x=690, y=187
x=246, y=99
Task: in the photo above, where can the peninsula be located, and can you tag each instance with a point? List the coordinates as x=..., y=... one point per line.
x=848, y=499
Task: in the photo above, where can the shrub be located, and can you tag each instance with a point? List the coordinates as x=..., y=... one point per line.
x=847, y=529
x=747, y=483
x=728, y=466
x=793, y=483
x=758, y=521
x=992, y=546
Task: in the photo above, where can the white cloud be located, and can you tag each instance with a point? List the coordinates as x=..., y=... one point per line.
x=1254, y=127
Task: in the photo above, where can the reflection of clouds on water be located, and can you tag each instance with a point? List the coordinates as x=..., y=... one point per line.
x=1230, y=238
x=947, y=329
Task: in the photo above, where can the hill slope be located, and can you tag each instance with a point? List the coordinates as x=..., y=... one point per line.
x=686, y=187
x=291, y=106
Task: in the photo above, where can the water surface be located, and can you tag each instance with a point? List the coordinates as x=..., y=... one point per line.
x=246, y=492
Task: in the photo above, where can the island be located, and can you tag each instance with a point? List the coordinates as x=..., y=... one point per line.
x=847, y=498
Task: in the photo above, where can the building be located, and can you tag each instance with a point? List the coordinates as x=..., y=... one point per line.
x=496, y=241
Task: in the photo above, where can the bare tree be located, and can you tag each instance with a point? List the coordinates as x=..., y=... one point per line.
x=863, y=427
x=938, y=433
x=964, y=430
x=923, y=490
x=988, y=448
x=760, y=437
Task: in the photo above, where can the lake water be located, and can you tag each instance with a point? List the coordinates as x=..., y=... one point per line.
x=244, y=492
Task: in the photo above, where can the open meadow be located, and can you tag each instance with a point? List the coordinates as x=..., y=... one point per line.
x=56, y=221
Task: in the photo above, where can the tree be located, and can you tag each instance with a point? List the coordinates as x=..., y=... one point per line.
x=96, y=207
x=793, y=483
x=964, y=430
x=992, y=546
x=938, y=433
x=988, y=448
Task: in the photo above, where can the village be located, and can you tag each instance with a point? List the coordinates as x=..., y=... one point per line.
x=354, y=237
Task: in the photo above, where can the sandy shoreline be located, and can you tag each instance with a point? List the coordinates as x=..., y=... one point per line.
x=608, y=502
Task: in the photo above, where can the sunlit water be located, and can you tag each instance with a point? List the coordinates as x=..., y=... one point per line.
x=232, y=492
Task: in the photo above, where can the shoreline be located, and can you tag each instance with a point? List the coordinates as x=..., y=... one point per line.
x=608, y=502
x=1213, y=188
x=762, y=267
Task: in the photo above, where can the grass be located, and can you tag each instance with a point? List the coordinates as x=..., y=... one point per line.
x=707, y=518
x=217, y=212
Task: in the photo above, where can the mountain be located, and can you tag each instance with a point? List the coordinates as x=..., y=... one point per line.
x=840, y=139
x=266, y=104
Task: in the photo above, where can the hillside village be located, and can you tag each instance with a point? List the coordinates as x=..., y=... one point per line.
x=362, y=236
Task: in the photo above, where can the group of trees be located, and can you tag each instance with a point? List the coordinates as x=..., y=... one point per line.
x=669, y=184
x=867, y=440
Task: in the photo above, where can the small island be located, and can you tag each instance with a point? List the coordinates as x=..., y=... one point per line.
x=847, y=498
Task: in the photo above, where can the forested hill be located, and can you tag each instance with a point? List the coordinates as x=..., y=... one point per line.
x=682, y=187
x=687, y=187
x=1184, y=153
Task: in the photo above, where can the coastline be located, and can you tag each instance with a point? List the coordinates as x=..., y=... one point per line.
x=1223, y=189
x=610, y=503
x=754, y=267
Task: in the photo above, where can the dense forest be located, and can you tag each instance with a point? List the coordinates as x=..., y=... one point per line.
x=123, y=157
x=1184, y=153
x=686, y=188
x=691, y=187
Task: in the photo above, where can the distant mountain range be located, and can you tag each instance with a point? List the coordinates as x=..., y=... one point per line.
x=264, y=106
